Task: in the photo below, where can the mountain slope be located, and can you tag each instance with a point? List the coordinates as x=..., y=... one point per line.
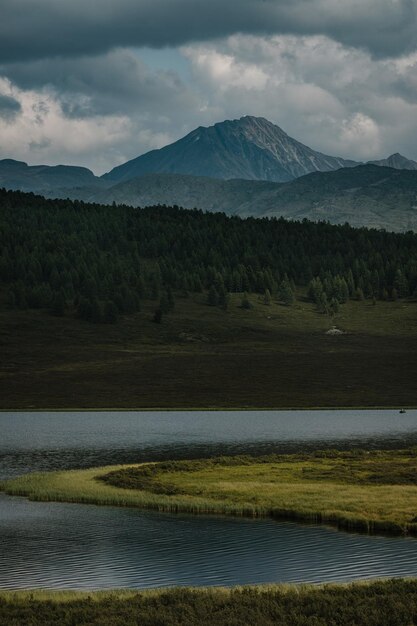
x=17, y=175
x=397, y=161
x=208, y=194
x=250, y=148
x=367, y=195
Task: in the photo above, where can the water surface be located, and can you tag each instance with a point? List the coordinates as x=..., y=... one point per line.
x=71, y=546
x=64, y=440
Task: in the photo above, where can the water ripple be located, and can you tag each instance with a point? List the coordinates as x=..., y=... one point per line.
x=86, y=547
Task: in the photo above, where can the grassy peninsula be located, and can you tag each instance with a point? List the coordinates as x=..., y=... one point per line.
x=360, y=490
x=391, y=602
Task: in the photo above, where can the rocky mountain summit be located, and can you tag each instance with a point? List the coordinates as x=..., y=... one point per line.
x=251, y=148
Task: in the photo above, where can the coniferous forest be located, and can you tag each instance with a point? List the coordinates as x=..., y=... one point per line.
x=99, y=262
x=115, y=306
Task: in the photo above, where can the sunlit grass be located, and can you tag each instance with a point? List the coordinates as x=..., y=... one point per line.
x=368, y=491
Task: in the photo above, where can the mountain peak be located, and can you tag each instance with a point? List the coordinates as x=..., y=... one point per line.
x=252, y=122
x=397, y=161
x=251, y=148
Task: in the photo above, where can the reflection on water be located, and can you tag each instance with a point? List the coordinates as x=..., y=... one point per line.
x=88, y=547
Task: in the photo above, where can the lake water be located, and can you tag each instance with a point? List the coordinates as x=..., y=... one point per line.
x=74, y=546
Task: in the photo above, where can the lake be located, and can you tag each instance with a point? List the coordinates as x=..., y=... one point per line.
x=73, y=546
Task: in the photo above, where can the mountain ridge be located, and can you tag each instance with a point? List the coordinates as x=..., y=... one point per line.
x=397, y=161
x=251, y=148
x=366, y=195
x=18, y=175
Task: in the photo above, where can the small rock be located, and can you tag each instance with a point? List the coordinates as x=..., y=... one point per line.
x=334, y=331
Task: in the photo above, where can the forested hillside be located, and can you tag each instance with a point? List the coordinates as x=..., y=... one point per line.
x=100, y=261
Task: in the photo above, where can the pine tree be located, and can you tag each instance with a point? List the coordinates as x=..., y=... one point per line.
x=213, y=296
x=359, y=294
x=245, y=302
x=285, y=292
x=267, y=297
x=224, y=298
x=334, y=306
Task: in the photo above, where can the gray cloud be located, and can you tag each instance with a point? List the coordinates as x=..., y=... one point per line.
x=44, y=28
x=101, y=110
x=334, y=98
x=115, y=83
x=9, y=107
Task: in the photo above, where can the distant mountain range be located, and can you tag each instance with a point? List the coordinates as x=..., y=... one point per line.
x=248, y=167
x=21, y=176
x=366, y=195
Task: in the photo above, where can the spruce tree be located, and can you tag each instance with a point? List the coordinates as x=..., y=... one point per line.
x=213, y=296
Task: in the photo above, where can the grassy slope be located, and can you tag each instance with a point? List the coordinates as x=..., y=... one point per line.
x=271, y=356
x=341, y=491
x=391, y=602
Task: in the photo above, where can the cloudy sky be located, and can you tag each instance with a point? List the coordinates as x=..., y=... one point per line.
x=97, y=82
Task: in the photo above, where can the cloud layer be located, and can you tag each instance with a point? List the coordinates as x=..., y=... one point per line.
x=339, y=76
x=43, y=28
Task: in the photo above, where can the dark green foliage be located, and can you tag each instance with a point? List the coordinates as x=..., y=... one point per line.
x=379, y=603
x=267, y=297
x=286, y=292
x=334, y=306
x=224, y=298
x=92, y=254
x=401, y=284
x=213, y=296
x=359, y=294
x=245, y=302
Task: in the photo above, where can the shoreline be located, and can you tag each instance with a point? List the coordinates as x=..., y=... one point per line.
x=206, y=409
x=67, y=595
x=290, y=487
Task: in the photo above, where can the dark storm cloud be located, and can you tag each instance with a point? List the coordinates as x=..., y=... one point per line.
x=113, y=83
x=9, y=107
x=31, y=29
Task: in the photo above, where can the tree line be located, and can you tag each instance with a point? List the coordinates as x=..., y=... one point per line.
x=101, y=261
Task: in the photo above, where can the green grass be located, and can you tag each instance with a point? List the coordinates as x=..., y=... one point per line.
x=363, y=491
x=376, y=603
x=202, y=357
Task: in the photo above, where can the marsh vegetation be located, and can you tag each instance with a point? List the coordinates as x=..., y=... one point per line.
x=374, y=492
x=391, y=602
